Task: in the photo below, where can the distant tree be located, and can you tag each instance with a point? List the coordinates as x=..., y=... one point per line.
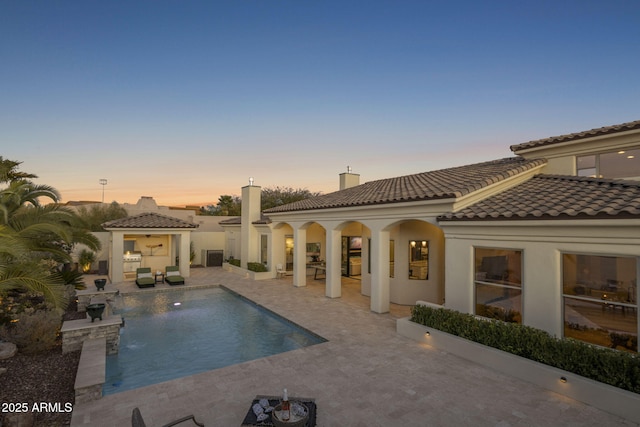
x=97, y=214
x=276, y=196
x=226, y=206
x=270, y=197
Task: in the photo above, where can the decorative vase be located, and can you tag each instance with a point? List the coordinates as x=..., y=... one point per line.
x=100, y=283
x=95, y=311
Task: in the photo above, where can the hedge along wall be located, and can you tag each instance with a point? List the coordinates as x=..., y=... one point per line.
x=616, y=368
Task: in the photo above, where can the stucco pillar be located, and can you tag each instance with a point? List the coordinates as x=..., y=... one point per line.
x=299, y=256
x=276, y=253
x=380, y=271
x=334, y=266
x=116, y=261
x=249, y=236
x=185, y=253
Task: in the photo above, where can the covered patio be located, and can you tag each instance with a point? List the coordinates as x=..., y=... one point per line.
x=148, y=240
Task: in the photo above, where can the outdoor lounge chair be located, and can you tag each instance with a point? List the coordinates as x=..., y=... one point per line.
x=144, y=278
x=137, y=421
x=172, y=275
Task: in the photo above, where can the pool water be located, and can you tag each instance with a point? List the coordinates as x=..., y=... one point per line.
x=169, y=335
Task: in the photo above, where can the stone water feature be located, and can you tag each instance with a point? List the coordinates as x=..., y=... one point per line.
x=97, y=336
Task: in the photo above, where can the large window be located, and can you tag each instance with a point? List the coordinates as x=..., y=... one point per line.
x=498, y=284
x=615, y=165
x=418, y=259
x=601, y=300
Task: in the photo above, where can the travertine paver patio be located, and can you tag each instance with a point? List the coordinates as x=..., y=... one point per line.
x=365, y=375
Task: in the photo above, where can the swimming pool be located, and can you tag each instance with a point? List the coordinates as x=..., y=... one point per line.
x=169, y=335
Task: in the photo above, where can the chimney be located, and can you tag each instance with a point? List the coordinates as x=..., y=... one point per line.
x=249, y=236
x=348, y=180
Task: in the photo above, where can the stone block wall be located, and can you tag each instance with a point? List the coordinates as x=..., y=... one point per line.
x=76, y=332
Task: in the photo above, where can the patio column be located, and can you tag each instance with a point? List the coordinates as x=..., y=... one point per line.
x=116, y=259
x=184, y=253
x=299, y=256
x=380, y=293
x=334, y=265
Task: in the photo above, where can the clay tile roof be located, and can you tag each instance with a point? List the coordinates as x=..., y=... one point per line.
x=578, y=135
x=441, y=184
x=149, y=220
x=557, y=197
x=238, y=220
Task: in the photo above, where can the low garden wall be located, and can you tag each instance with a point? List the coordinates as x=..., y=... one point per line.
x=254, y=275
x=614, y=400
x=91, y=373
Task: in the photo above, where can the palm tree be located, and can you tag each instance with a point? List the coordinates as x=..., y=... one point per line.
x=9, y=171
x=34, y=238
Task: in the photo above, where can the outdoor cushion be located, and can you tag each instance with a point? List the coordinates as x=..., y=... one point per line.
x=144, y=279
x=173, y=276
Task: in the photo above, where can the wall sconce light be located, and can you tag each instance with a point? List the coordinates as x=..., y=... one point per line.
x=563, y=379
x=413, y=243
x=427, y=334
x=424, y=243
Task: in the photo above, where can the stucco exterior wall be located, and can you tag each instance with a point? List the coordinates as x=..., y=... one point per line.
x=403, y=290
x=542, y=247
x=207, y=241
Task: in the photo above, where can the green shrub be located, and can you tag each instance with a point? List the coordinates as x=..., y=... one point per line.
x=257, y=267
x=33, y=332
x=616, y=368
x=85, y=259
x=235, y=262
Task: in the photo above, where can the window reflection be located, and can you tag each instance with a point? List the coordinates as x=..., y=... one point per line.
x=600, y=300
x=418, y=259
x=622, y=164
x=498, y=284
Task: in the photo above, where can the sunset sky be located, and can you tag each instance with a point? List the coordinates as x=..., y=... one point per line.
x=185, y=100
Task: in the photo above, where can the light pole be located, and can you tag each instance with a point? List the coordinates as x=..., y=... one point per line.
x=103, y=182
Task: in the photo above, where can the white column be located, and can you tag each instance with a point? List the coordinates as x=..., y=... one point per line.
x=299, y=256
x=185, y=253
x=116, y=259
x=249, y=236
x=276, y=249
x=380, y=271
x=334, y=263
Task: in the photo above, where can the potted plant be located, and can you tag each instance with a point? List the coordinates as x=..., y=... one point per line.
x=85, y=259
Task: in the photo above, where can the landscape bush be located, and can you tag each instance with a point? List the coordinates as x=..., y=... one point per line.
x=617, y=368
x=33, y=331
x=234, y=261
x=257, y=267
